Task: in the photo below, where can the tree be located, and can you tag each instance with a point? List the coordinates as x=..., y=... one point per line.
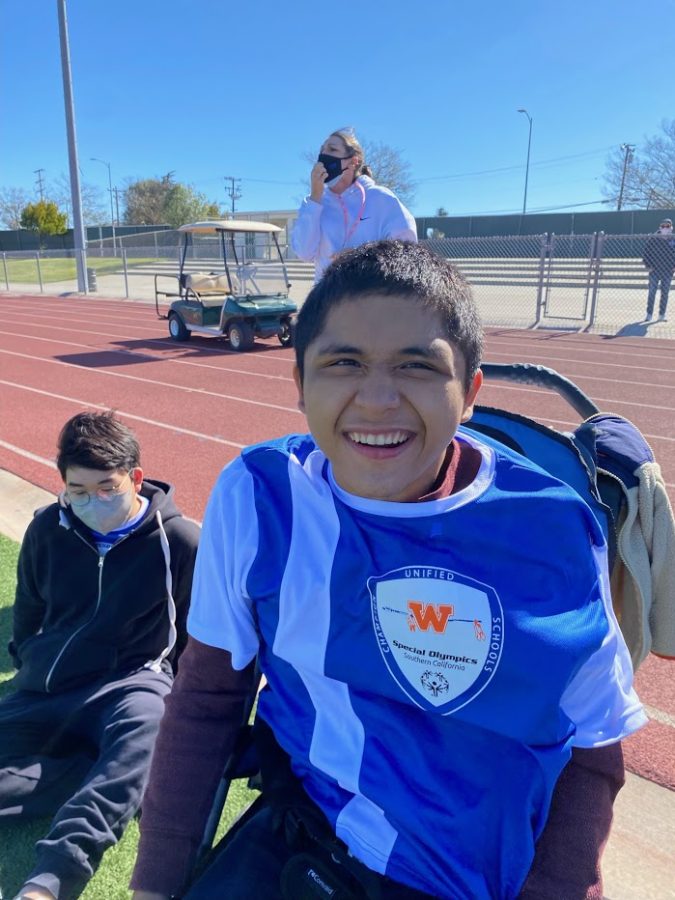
x=649, y=174
x=13, y=201
x=389, y=169
x=44, y=217
x=94, y=209
x=184, y=204
x=164, y=201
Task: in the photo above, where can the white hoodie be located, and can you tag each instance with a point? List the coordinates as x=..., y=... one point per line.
x=364, y=212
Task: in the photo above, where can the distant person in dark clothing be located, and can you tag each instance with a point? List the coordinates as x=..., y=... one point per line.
x=659, y=258
x=103, y=588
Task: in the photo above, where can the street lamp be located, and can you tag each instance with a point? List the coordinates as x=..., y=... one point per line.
x=527, y=164
x=112, y=209
x=79, y=239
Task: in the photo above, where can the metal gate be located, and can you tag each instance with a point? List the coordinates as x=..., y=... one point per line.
x=569, y=269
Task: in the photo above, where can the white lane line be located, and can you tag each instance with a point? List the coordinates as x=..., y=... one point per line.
x=138, y=327
x=543, y=359
x=658, y=715
x=33, y=456
x=570, y=426
x=594, y=348
x=176, y=429
x=146, y=356
x=165, y=384
x=599, y=401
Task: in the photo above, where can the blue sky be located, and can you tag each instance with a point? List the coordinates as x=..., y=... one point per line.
x=212, y=88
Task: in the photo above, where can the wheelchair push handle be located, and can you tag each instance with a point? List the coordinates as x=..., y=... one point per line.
x=542, y=376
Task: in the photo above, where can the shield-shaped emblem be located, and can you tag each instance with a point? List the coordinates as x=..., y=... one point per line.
x=440, y=633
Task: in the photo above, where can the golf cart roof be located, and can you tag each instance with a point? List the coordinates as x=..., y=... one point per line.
x=214, y=226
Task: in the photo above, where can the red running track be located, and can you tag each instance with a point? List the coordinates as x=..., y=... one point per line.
x=193, y=406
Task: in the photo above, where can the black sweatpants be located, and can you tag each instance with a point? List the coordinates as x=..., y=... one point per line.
x=82, y=756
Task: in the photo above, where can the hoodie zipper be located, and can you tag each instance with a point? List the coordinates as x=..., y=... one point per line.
x=156, y=664
x=93, y=615
x=91, y=619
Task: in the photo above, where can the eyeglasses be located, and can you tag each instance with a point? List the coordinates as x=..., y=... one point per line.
x=80, y=499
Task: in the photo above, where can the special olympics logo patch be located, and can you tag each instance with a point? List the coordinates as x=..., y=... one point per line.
x=440, y=633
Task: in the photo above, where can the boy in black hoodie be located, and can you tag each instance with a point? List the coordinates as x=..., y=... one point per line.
x=103, y=588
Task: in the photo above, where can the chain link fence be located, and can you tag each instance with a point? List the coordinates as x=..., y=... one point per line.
x=595, y=282
x=590, y=282
x=132, y=266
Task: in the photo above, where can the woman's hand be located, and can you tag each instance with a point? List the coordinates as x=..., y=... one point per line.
x=317, y=179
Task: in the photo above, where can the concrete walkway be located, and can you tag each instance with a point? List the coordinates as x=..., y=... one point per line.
x=639, y=863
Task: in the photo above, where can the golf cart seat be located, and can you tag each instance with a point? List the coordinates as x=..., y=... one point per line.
x=206, y=283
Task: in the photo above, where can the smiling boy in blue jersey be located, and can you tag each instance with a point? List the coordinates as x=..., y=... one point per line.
x=428, y=609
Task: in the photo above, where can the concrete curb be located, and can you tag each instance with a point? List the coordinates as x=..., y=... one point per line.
x=18, y=501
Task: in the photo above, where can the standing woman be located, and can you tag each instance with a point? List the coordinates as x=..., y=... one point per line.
x=345, y=207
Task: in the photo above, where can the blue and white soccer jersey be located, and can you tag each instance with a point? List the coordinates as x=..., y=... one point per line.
x=428, y=665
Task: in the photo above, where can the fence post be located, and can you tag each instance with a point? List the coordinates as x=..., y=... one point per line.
x=539, y=312
x=39, y=271
x=599, y=251
x=126, y=274
x=590, y=270
x=4, y=265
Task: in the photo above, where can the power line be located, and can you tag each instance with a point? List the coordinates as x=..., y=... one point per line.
x=542, y=163
x=538, y=209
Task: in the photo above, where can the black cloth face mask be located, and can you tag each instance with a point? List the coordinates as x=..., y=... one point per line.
x=332, y=164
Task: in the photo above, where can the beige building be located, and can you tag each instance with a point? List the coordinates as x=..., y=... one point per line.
x=283, y=218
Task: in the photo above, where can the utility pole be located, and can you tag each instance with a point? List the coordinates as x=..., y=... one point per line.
x=233, y=191
x=40, y=184
x=628, y=155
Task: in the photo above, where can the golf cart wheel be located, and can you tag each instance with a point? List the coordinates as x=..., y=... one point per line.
x=240, y=336
x=285, y=335
x=177, y=329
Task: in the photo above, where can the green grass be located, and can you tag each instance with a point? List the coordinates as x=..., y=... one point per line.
x=18, y=838
x=25, y=270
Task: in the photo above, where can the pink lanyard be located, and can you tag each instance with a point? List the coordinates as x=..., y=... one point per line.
x=350, y=229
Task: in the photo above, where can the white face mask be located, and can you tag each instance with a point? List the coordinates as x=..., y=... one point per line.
x=106, y=515
x=666, y=229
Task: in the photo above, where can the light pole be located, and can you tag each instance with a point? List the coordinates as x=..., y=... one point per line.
x=527, y=164
x=112, y=208
x=79, y=239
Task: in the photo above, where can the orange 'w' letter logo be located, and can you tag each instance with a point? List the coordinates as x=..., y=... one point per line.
x=428, y=615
